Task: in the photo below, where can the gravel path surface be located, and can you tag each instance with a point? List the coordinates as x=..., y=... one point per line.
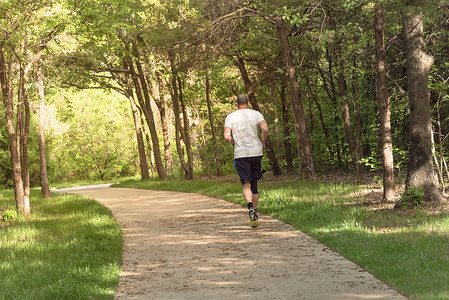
x=189, y=246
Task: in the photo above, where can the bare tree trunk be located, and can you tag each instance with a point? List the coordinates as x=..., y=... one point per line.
x=240, y=63
x=274, y=98
x=143, y=163
x=440, y=143
x=420, y=171
x=158, y=97
x=320, y=114
x=304, y=144
x=329, y=88
x=150, y=153
x=347, y=118
x=186, y=135
x=178, y=129
x=212, y=126
x=45, y=187
x=384, y=106
x=24, y=125
x=5, y=80
x=342, y=94
x=286, y=127
x=163, y=111
x=206, y=153
x=358, y=121
x=149, y=116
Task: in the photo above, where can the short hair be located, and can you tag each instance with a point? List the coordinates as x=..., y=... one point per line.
x=242, y=99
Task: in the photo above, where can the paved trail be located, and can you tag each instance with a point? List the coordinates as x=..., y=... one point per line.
x=189, y=246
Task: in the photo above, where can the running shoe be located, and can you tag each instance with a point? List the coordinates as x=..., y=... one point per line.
x=253, y=219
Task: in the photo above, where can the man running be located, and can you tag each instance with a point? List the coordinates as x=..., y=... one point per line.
x=244, y=124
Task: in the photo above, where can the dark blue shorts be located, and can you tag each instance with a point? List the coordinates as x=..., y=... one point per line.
x=249, y=168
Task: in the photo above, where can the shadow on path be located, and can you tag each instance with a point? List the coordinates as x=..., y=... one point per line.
x=189, y=246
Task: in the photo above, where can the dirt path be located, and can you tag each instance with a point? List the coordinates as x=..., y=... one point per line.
x=189, y=246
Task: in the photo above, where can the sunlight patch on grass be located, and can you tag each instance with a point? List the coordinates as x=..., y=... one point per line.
x=70, y=249
x=406, y=249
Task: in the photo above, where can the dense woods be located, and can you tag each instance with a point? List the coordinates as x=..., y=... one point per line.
x=107, y=88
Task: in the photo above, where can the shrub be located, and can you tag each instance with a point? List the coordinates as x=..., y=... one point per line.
x=413, y=196
x=9, y=215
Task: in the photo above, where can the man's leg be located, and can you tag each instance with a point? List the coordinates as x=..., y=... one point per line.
x=247, y=193
x=255, y=200
x=251, y=201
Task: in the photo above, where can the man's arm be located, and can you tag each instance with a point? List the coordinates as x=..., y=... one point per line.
x=264, y=132
x=227, y=135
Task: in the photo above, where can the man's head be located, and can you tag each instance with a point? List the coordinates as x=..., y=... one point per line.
x=242, y=100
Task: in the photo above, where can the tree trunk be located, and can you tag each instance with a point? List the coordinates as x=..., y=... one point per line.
x=5, y=80
x=24, y=127
x=342, y=94
x=150, y=115
x=420, y=171
x=342, y=89
x=206, y=153
x=178, y=129
x=304, y=144
x=212, y=126
x=286, y=127
x=148, y=143
x=186, y=135
x=358, y=121
x=384, y=106
x=160, y=103
x=163, y=112
x=321, y=117
x=347, y=118
x=327, y=134
x=143, y=163
x=45, y=187
x=240, y=63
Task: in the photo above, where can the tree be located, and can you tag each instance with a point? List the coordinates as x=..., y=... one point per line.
x=146, y=107
x=296, y=102
x=26, y=32
x=7, y=97
x=420, y=172
x=211, y=123
x=45, y=187
x=384, y=106
x=176, y=108
x=137, y=124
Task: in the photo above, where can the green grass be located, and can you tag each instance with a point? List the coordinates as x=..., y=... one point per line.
x=70, y=249
x=407, y=249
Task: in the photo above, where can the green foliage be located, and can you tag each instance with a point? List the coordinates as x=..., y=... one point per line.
x=92, y=137
x=9, y=215
x=413, y=196
x=327, y=38
x=372, y=163
x=70, y=249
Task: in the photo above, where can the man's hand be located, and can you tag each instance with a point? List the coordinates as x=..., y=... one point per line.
x=227, y=135
x=264, y=132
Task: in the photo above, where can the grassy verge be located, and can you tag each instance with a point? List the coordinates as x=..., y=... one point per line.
x=70, y=249
x=408, y=249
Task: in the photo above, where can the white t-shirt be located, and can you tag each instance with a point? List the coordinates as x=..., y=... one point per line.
x=244, y=124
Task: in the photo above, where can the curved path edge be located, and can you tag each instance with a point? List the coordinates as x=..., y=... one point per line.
x=190, y=246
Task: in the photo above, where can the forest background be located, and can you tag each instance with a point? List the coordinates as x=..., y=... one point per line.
x=105, y=89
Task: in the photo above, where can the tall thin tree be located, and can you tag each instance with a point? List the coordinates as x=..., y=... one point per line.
x=383, y=100
x=212, y=125
x=45, y=187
